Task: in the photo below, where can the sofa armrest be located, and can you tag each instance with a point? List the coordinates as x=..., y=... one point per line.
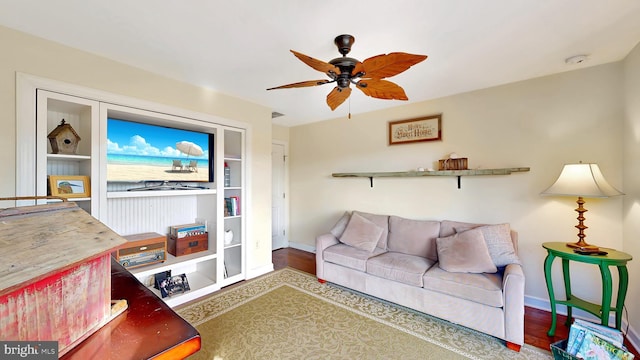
x=322, y=242
x=513, y=293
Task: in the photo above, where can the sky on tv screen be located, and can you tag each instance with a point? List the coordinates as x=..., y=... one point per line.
x=131, y=138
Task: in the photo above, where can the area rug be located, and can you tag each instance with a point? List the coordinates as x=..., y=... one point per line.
x=287, y=314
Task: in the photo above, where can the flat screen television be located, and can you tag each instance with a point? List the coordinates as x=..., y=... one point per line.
x=145, y=153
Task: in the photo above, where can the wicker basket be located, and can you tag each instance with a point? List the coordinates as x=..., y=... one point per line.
x=558, y=349
x=452, y=164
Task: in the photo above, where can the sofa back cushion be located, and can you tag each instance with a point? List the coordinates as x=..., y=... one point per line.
x=380, y=220
x=414, y=237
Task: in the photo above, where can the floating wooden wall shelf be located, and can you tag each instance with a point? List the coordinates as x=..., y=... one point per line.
x=457, y=173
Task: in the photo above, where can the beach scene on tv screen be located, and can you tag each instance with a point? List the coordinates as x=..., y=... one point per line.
x=139, y=152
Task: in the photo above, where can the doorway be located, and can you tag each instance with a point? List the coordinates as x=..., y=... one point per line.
x=278, y=196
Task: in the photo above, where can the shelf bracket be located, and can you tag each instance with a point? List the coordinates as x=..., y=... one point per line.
x=459, y=181
x=371, y=181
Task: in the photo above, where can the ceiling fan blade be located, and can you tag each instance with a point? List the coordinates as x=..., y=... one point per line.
x=302, y=84
x=383, y=66
x=337, y=96
x=319, y=65
x=381, y=89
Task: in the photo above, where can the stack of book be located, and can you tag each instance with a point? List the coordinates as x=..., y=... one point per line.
x=180, y=231
x=232, y=206
x=592, y=341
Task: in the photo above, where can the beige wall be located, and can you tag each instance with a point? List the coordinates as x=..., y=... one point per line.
x=541, y=123
x=280, y=133
x=632, y=178
x=27, y=54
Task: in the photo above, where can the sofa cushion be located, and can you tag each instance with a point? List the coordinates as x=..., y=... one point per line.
x=348, y=256
x=465, y=252
x=481, y=288
x=361, y=233
x=413, y=237
x=499, y=243
x=380, y=220
x=341, y=225
x=407, y=269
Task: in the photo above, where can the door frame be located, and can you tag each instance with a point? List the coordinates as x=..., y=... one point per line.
x=286, y=201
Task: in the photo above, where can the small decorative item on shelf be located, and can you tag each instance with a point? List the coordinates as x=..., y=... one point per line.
x=142, y=249
x=228, y=237
x=69, y=186
x=174, y=285
x=160, y=277
x=227, y=175
x=453, y=162
x=63, y=139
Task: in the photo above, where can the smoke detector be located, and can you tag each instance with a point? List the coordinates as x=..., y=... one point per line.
x=577, y=59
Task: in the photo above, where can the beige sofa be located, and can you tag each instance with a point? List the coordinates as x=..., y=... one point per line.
x=404, y=261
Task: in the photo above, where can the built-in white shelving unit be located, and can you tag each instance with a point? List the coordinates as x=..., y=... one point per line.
x=132, y=212
x=82, y=115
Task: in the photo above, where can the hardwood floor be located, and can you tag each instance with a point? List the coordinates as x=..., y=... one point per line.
x=536, y=322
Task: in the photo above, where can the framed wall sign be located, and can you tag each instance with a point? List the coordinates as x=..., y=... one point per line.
x=69, y=186
x=428, y=128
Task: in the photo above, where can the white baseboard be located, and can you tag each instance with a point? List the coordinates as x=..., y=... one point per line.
x=308, y=248
x=543, y=304
x=259, y=271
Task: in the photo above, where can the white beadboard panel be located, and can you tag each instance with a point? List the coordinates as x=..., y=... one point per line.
x=60, y=167
x=128, y=216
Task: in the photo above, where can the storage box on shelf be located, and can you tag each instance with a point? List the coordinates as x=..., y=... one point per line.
x=187, y=239
x=188, y=244
x=452, y=164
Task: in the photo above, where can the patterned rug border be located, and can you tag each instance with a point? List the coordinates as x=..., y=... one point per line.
x=414, y=323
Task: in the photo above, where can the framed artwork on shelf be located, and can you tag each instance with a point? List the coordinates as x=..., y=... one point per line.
x=174, y=285
x=428, y=128
x=69, y=186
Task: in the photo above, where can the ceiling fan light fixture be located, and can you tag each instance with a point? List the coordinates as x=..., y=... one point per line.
x=368, y=76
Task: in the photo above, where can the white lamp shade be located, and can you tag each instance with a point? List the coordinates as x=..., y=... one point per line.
x=584, y=180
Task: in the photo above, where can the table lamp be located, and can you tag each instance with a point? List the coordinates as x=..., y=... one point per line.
x=582, y=180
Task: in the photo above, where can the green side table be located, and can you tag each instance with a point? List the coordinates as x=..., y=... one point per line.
x=615, y=258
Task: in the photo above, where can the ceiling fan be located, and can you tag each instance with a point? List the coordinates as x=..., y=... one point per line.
x=367, y=75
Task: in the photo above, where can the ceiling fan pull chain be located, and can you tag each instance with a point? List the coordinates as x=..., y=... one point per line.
x=349, y=108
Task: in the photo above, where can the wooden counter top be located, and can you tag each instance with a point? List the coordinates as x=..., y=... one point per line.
x=148, y=329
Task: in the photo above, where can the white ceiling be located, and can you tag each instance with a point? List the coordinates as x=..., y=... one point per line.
x=241, y=47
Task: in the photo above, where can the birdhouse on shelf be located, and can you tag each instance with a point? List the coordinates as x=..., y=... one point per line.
x=63, y=139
